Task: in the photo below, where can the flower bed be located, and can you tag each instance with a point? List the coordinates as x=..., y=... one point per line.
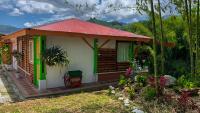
x=143, y=95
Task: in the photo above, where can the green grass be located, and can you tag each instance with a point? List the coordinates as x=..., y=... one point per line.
x=90, y=102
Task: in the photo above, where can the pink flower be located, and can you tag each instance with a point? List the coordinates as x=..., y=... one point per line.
x=129, y=71
x=163, y=81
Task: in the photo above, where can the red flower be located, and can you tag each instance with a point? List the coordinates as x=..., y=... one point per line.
x=162, y=81
x=129, y=71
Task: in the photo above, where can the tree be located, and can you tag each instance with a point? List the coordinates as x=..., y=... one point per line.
x=162, y=36
x=154, y=41
x=197, y=42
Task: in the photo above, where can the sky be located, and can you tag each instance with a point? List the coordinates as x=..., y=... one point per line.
x=28, y=13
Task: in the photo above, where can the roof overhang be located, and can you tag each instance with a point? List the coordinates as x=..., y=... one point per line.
x=33, y=32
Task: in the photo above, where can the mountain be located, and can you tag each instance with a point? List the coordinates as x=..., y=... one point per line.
x=6, y=29
x=113, y=24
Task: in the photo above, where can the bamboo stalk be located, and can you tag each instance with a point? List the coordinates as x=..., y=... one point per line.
x=154, y=43
x=162, y=36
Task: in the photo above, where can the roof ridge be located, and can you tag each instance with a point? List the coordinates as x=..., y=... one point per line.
x=53, y=22
x=81, y=21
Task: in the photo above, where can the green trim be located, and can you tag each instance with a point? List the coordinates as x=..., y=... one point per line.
x=38, y=63
x=95, y=55
x=42, y=65
x=35, y=61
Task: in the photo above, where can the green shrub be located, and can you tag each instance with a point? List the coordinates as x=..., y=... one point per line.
x=131, y=92
x=149, y=93
x=188, y=82
x=122, y=80
x=141, y=79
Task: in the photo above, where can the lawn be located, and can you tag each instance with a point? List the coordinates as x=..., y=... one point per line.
x=90, y=102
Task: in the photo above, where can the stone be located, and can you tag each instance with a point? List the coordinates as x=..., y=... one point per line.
x=120, y=98
x=126, y=102
x=170, y=80
x=137, y=111
x=113, y=91
x=111, y=87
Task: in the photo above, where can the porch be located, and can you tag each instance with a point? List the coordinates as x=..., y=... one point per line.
x=28, y=90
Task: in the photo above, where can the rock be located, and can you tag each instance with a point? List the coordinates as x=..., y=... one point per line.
x=170, y=80
x=120, y=98
x=113, y=91
x=137, y=111
x=126, y=102
x=111, y=87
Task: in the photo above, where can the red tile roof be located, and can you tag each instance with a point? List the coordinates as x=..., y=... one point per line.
x=84, y=27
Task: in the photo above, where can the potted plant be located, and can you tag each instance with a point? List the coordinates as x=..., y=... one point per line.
x=55, y=56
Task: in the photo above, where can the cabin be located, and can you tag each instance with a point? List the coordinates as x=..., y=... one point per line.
x=101, y=53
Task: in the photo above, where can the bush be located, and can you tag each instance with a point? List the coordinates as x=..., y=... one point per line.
x=188, y=82
x=141, y=79
x=149, y=93
x=122, y=80
x=131, y=92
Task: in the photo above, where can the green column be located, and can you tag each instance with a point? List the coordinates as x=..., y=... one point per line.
x=43, y=66
x=39, y=66
x=35, y=40
x=95, y=56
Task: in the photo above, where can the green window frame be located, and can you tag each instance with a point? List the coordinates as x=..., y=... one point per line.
x=123, y=51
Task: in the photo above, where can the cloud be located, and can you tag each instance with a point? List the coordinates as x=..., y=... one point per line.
x=16, y=12
x=84, y=9
x=44, y=20
x=35, y=6
x=29, y=24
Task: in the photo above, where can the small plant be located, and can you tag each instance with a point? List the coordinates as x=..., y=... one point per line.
x=55, y=56
x=188, y=82
x=17, y=55
x=111, y=90
x=141, y=79
x=183, y=102
x=131, y=92
x=122, y=80
x=149, y=93
x=129, y=72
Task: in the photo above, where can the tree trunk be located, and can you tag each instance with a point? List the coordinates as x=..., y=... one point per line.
x=188, y=16
x=197, y=44
x=154, y=43
x=190, y=37
x=162, y=36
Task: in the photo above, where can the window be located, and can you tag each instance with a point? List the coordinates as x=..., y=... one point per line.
x=31, y=51
x=123, y=52
x=20, y=46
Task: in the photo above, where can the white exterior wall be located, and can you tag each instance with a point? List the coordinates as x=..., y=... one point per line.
x=80, y=57
x=14, y=47
x=111, y=44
